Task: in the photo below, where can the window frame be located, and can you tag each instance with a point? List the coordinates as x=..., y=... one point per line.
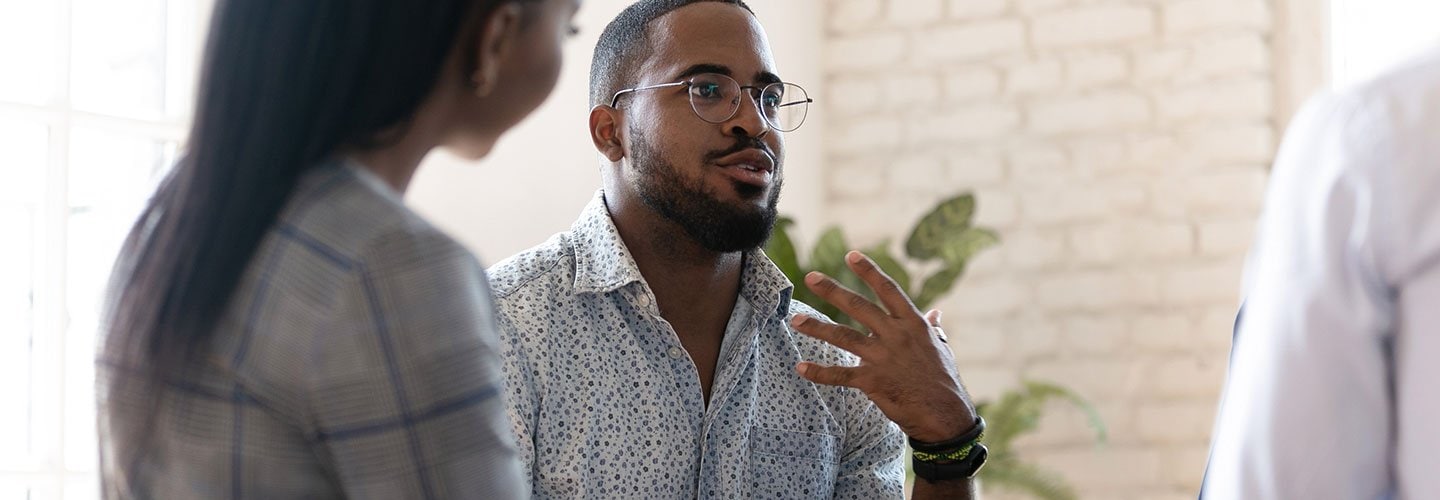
x=49, y=472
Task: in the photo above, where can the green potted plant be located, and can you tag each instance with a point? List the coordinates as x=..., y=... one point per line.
x=940, y=245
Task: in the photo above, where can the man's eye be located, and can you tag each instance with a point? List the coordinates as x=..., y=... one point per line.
x=771, y=99
x=707, y=90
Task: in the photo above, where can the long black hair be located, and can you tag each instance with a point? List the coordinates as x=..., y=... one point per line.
x=285, y=84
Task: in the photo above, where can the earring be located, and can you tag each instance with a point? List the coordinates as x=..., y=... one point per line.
x=481, y=85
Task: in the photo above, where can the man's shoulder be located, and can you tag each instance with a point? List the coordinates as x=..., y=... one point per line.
x=543, y=269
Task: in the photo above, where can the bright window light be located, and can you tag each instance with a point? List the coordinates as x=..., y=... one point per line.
x=1369, y=36
x=94, y=102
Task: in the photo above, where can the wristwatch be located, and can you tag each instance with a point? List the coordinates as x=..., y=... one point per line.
x=962, y=469
x=958, y=458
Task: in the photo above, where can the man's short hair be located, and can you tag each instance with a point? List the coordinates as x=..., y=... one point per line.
x=624, y=44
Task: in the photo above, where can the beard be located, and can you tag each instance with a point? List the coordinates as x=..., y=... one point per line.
x=716, y=225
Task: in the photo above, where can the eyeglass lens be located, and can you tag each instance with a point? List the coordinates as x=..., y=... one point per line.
x=716, y=98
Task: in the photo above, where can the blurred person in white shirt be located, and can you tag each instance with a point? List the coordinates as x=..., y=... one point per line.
x=1331, y=387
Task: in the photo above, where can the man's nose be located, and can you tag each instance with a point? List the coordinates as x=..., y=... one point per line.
x=748, y=120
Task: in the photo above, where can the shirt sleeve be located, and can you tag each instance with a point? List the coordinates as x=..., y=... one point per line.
x=407, y=397
x=1306, y=411
x=521, y=401
x=872, y=465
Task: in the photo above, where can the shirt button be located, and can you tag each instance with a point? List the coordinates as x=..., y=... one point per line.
x=676, y=353
x=643, y=300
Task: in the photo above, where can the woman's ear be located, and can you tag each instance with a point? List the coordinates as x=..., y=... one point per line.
x=605, y=132
x=499, y=33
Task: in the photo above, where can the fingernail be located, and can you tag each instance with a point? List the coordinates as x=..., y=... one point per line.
x=854, y=257
x=803, y=368
x=814, y=278
x=938, y=314
x=799, y=320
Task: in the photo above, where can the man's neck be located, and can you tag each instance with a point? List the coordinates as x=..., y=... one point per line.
x=691, y=283
x=695, y=288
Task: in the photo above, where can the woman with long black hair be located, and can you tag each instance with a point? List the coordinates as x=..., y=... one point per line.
x=281, y=325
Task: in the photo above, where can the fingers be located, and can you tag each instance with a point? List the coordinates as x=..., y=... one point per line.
x=828, y=375
x=933, y=317
x=886, y=289
x=839, y=336
x=853, y=304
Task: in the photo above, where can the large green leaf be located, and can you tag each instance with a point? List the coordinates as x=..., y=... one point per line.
x=938, y=284
x=1018, y=412
x=1006, y=419
x=828, y=256
x=803, y=294
x=960, y=247
x=1047, y=390
x=949, y=218
x=887, y=262
x=852, y=281
x=955, y=251
x=781, y=250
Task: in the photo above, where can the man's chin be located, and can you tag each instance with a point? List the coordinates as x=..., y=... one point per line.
x=755, y=208
x=741, y=225
x=746, y=194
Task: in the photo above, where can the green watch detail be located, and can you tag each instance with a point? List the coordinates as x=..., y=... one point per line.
x=949, y=471
x=947, y=456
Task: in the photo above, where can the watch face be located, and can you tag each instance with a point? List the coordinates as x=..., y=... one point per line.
x=981, y=456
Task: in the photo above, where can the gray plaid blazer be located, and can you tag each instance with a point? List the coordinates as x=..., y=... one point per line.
x=357, y=360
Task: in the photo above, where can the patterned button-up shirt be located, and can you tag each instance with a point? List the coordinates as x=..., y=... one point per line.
x=357, y=360
x=606, y=403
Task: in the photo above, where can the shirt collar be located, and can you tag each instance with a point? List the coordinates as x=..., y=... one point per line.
x=764, y=285
x=603, y=264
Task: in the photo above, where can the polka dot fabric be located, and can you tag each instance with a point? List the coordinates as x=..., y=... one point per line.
x=606, y=403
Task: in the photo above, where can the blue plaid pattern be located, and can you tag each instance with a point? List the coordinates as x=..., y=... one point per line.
x=357, y=360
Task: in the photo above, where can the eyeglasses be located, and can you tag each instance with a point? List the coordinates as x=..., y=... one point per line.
x=716, y=99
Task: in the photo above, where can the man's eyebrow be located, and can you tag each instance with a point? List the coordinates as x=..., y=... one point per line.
x=762, y=78
x=704, y=68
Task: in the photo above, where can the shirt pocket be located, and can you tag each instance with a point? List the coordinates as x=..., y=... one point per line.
x=790, y=464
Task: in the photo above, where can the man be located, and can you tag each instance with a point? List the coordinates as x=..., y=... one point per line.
x=1331, y=388
x=654, y=352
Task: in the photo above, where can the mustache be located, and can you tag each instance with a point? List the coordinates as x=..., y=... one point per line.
x=742, y=144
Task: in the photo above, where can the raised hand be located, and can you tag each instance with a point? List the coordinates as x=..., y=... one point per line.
x=905, y=366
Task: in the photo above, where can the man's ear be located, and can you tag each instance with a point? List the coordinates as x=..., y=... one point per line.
x=605, y=132
x=498, y=35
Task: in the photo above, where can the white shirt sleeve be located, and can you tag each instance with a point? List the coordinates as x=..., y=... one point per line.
x=1307, y=410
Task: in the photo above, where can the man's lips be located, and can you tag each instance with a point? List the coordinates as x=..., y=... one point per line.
x=753, y=160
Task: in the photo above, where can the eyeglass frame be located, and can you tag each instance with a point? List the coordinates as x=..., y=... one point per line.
x=615, y=101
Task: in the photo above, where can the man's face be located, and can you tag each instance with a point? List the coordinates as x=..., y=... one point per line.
x=719, y=181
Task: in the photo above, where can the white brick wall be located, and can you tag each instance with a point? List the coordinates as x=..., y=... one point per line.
x=1083, y=26
x=1121, y=148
